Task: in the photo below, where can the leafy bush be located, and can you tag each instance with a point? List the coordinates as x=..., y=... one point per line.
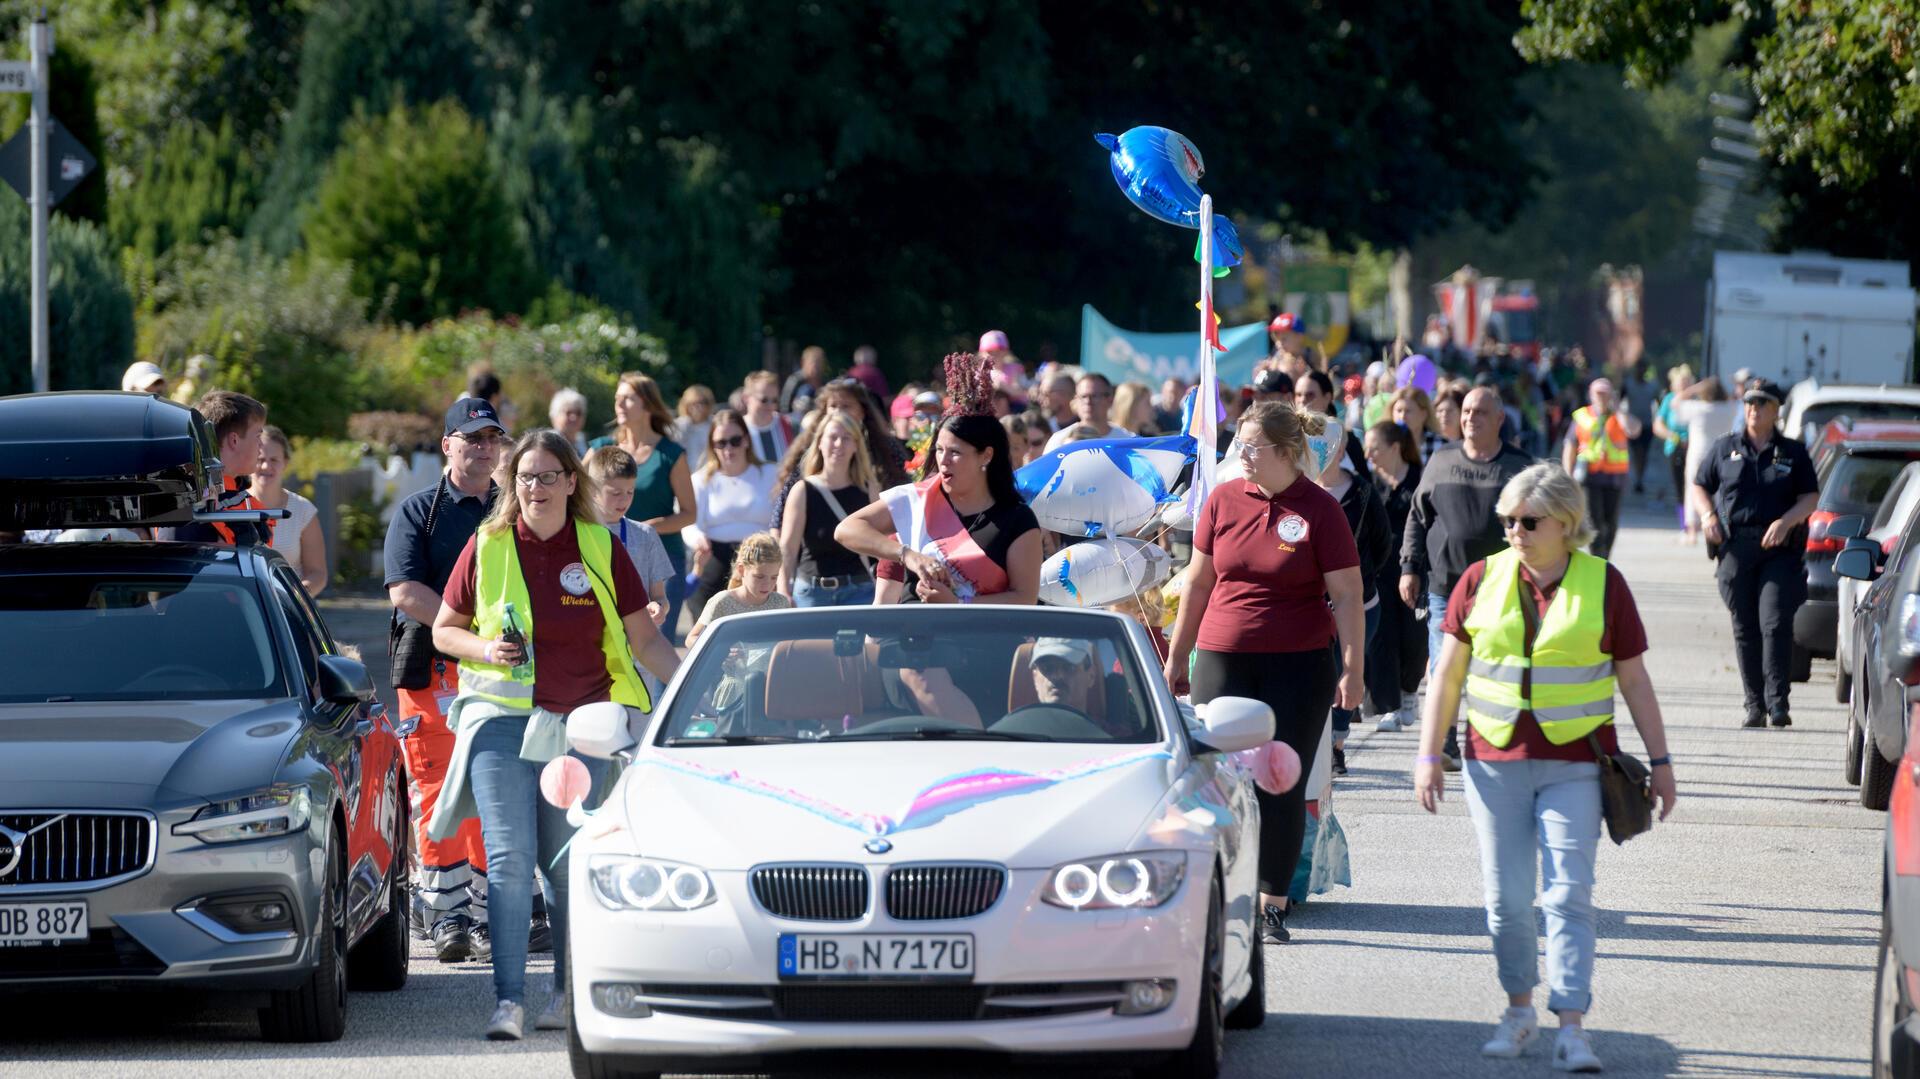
x=313, y=456
x=89, y=311
x=195, y=182
x=394, y=432
x=412, y=203
x=282, y=332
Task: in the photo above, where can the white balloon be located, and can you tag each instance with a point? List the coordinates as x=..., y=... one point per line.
x=1099, y=572
x=1177, y=518
x=1089, y=495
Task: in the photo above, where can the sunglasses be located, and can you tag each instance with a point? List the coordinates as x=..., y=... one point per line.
x=545, y=479
x=768, y=400
x=732, y=442
x=482, y=439
x=1528, y=523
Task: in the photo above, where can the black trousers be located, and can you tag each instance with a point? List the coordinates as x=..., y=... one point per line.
x=1397, y=649
x=1603, y=509
x=1637, y=453
x=1677, y=464
x=714, y=574
x=1762, y=589
x=1299, y=686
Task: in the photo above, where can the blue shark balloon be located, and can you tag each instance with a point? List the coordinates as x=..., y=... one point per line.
x=1160, y=171
x=1109, y=487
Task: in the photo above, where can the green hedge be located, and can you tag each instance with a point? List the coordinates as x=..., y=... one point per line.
x=89, y=311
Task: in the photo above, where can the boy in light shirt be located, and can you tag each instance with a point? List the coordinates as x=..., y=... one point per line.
x=613, y=472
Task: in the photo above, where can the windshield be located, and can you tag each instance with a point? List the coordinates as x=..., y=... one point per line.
x=1817, y=416
x=88, y=638
x=1859, y=481
x=903, y=674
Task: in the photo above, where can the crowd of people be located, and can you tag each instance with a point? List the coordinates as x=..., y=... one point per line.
x=1374, y=532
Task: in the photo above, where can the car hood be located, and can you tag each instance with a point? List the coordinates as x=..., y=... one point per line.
x=1027, y=806
x=140, y=754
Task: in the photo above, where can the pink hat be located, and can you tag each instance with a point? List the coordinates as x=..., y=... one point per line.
x=994, y=341
x=902, y=406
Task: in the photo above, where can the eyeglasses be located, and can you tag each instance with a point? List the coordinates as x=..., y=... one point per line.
x=1252, y=449
x=1528, y=523
x=732, y=442
x=482, y=440
x=545, y=479
x=768, y=400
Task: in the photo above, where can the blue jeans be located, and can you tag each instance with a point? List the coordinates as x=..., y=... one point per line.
x=1343, y=717
x=808, y=594
x=676, y=599
x=1436, y=636
x=1553, y=807
x=522, y=832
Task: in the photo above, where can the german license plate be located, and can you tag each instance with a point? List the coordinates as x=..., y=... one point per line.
x=56, y=921
x=876, y=955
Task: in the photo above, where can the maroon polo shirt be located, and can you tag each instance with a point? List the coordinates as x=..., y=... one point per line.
x=1271, y=557
x=1623, y=638
x=569, y=669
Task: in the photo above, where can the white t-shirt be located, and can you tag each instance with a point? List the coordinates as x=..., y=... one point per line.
x=1059, y=438
x=286, y=534
x=1705, y=421
x=731, y=508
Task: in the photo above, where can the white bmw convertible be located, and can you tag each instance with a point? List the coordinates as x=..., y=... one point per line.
x=917, y=828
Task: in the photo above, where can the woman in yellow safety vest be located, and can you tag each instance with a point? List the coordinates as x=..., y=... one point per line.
x=545, y=613
x=1540, y=635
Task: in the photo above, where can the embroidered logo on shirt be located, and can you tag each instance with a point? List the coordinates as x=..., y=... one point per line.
x=574, y=580
x=1292, y=528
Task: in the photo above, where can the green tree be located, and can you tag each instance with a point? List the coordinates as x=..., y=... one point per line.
x=359, y=57
x=412, y=204
x=195, y=182
x=89, y=311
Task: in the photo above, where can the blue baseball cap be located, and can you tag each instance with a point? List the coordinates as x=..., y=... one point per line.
x=470, y=414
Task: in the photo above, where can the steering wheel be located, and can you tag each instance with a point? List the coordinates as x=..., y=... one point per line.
x=199, y=674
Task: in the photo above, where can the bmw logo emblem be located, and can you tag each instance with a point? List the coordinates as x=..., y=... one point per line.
x=878, y=846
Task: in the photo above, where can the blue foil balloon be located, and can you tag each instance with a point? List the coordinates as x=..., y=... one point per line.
x=1160, y=171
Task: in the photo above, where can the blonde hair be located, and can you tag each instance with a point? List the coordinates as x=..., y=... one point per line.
x=1285, y=426
x=605, y=463
x=1416, y=397
x=759, y=549
x=1127, y=397
x=1147, y=603
x=651, y=401
x=506, y=506
x=1550, y=491
x=761, y=378
x=860, y=469
x=693, y=393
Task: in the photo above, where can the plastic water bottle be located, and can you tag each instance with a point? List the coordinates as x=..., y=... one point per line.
x=522, y=671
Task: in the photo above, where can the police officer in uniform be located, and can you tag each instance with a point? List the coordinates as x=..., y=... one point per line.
x=1754, y=491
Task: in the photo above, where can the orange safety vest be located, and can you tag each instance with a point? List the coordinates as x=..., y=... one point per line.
x=238, y=498
x=1606, y=454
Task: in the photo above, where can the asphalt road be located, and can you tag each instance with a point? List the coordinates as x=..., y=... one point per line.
x=1737, y=940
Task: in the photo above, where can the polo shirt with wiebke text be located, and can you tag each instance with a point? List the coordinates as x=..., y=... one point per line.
x=1270, y=557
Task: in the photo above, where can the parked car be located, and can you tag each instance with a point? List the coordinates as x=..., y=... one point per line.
x=1896, y=1044
x=1877, y=706
x=798, y=858
x=1854, y=479
x=198, y=791
x=1887, y=527
x=1811, y=405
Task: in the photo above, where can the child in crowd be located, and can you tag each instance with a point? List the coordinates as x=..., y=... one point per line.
x=1146, y=608
x=753, y=586
x=613, y=472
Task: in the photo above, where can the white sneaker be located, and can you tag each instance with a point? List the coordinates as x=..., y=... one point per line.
x=1573, y=1051
x=1389, y=722
x=1518, y=1027
x=508, y=1024
x=554, y=1015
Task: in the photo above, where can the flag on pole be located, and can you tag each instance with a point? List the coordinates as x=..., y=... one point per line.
x=1203, y=418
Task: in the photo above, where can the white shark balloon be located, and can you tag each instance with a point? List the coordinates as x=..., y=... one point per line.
x=1108, y=487
x=1099, y=572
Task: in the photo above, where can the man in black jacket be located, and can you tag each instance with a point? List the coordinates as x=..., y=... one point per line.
x=1453, y=524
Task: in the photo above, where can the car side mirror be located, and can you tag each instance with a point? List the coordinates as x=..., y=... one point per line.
x=1232, y=724
x=344, y=681
x=600, y=729
x=1858, y=563
x=1851, y=526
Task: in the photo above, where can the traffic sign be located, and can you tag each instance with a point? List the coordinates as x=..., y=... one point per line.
x=16, y=77
x=68, y=163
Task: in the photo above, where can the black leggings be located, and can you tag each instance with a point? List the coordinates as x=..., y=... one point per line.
x=715, y=572
x=1299, y=687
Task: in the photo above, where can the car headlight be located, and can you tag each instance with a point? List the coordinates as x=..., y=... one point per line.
x=1116, y=881
x=627, y=882
x=277, y=812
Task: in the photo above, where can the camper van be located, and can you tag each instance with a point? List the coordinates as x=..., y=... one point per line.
x=1809, y=315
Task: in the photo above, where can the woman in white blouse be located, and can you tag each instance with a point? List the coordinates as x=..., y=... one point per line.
x=734, y=491
x=298, y=537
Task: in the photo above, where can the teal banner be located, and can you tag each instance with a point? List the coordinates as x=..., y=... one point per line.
x=1152, y=358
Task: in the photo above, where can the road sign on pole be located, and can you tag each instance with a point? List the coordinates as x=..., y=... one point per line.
x=68, y=162
x=16, y=77
x=42, y=41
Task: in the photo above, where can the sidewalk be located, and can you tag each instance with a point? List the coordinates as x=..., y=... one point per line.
x=1735, y=940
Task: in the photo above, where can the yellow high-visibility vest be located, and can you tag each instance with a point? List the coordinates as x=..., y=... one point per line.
x=1571, y=691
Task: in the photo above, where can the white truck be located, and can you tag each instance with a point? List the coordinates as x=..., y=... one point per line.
x=1809, y=315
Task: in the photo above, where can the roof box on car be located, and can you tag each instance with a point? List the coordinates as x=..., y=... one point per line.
x=96, y=460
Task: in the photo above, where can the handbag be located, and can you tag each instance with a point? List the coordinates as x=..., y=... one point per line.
x=1626, y=792
x=410, y=651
